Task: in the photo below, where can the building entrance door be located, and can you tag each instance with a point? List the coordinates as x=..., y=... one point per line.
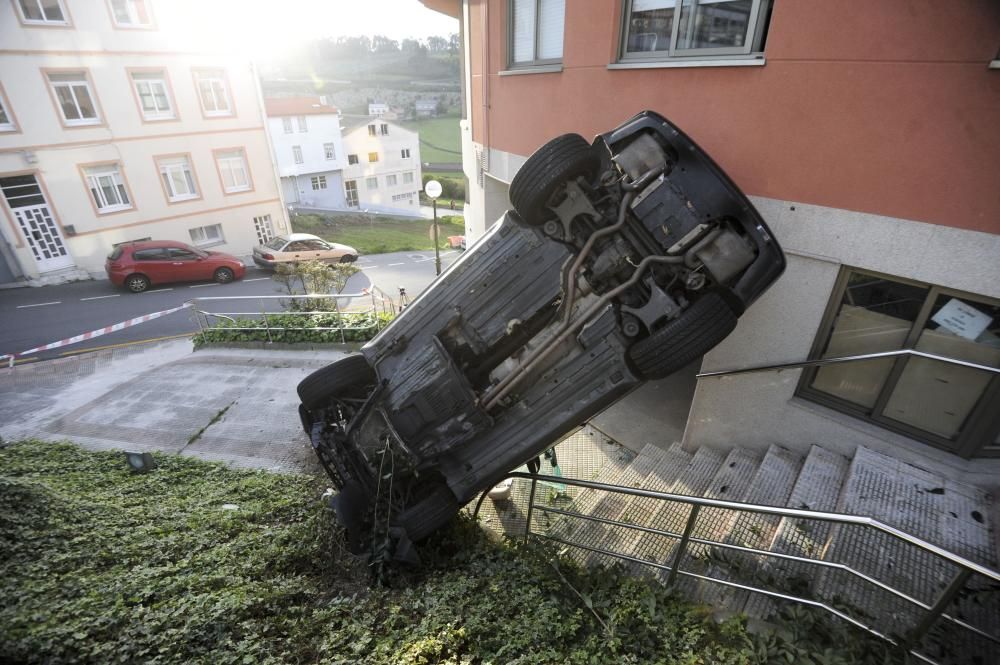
x=33, y=217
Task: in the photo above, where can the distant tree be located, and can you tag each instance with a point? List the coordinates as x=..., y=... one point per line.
x=453, y=42
x=410, y=46
x=442, y=106
x=382, y=44
x=437, y=44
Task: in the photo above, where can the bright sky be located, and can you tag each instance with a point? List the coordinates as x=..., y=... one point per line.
x=270, y=27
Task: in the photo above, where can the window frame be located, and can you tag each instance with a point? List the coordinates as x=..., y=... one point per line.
x=351, y=188
x=214, y=74
x=408, y=177
x=373, y=157
x=751, y=49
x=113, y=168
x=208, y=242
x=353, y=159
x=226, y=154
x=158, y=75
x=329, y=151
x=980, y=425
x=66, y=22
x=301, y=125
x=151, y=25
x=50, y=85
x=163, y=166
x=391, y=180
x=404, y=153
x=536, y=61
x=297, y=155
x=264, y=228
x=318, y=182
x=11, y=126
x=368, y=183
x=286, y=124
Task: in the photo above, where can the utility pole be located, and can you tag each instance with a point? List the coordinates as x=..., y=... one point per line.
x=433, y=191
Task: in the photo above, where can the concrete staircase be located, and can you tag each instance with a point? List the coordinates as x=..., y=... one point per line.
x=953, y=516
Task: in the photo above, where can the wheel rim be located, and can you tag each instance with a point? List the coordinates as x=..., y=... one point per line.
x=136, y=284
x=223, y=276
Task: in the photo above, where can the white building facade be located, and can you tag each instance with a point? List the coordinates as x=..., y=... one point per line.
x=308, y=150
x=383, y=168
x=114, y=128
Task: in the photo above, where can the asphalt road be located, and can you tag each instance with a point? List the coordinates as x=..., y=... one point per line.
x=31, y=317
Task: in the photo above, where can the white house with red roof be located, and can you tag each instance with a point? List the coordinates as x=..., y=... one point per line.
x=308, y=150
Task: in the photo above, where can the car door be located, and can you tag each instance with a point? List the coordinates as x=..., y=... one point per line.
x=153, y=263
x=320, y=250
x=187, y=266
x=296, y=251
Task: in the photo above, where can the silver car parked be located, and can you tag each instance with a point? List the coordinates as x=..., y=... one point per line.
x=296, y=247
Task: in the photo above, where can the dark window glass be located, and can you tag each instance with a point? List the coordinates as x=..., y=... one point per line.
x=178, y=254
x=115, y=253
x=149, y=254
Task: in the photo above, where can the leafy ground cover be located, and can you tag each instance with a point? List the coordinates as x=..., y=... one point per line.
x=378, y=234
x=198, y=563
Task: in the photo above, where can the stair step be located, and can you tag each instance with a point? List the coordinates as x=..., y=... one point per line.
x=817, y=488
x=920, y=503
x=611, y=504
x=693, y=481
x=639, y=510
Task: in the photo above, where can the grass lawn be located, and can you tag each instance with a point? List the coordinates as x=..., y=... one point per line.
x=440, y=138
x=198, y=563
x=380, y=234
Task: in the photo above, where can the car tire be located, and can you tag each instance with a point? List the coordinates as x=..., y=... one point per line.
x=558, y=161
x=349, y=376
x=136, y=283
x=348, y=258
x=706, y=323
x=429, y=514
x=224, y=275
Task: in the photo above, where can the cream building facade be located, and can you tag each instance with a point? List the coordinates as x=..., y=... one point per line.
x=383, y=171
x=115, y=127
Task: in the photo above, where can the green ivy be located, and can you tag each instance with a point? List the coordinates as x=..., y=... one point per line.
x=357, y=328
x=195, y=562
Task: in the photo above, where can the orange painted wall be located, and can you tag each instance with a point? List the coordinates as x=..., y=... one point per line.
x=884, y=107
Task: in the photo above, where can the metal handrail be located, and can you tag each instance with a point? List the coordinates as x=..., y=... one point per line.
x=818, y=362
x=933, y=611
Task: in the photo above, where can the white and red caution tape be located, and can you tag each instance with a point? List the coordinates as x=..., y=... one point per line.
x=96, y=333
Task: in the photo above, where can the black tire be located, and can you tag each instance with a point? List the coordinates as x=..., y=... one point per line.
x=224, y=275
x=706, y=323
x=136, y=283
x=349, y=258
x=349, y=376
x=562, y=159
x=429, y=514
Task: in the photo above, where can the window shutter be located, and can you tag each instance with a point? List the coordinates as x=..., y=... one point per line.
x=524, y=30
x=550, y=29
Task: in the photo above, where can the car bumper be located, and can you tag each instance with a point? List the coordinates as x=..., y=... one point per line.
x=264, y=263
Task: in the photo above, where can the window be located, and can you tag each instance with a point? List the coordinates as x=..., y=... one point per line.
x=404, y=153
x=408, y=178
x=668, y=29
x=328, y=151
x=352, y=159
x=297, y=153
x=286, y=125
x=408, y=196
x=265, y=230
x=42, y=12
x=351, y=192
x=107, y=187
x=384, y=129
x=536, y=32
x=373, y=157
x=207, y=235
x=301, y=122
x=181, y=254
x=131, y=14
x=213, y=91
x=371, y=130
x=390, y=181
x=7, y=122
x=74, y=98
x=154, y=96
x=371, y=183
x=938, y=402
x=233, y=170
x=178, y=178
x=318, y=182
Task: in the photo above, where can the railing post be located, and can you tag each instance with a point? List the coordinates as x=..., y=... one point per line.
x=682, y=546
x=531, y=506
x=340, y=319
x=942, y=603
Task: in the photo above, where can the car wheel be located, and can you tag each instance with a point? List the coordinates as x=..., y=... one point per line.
x=224, y=275
x=349, y=258
x=350, y=376
x=428, y=514
x=706, y=323
x=558, y=161
x=136, y=283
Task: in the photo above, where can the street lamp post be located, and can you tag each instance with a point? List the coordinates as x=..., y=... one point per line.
x=433, y=191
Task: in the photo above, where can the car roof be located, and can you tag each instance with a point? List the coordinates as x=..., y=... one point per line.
x=155, y=244
x=292, y=237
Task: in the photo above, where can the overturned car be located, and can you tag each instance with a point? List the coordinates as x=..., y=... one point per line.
x=621, y=261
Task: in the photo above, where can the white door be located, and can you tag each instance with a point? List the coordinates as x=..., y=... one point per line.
x=44, y=237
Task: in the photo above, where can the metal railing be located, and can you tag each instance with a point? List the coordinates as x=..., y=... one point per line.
x=818, y=362
x=928, y=612
x=346, y=319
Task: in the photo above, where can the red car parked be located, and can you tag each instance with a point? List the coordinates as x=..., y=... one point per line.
x=136, y=265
